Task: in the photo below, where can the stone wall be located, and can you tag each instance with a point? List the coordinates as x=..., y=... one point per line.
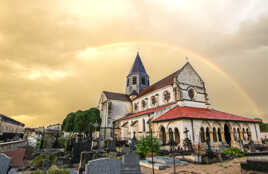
x=11, y=145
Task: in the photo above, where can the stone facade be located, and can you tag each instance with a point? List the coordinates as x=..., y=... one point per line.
x=8, y=125
x=176, y=103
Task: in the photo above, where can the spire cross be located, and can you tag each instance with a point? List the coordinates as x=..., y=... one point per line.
x=187, y=59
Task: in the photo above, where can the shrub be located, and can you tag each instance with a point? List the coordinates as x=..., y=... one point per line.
x=62, y=140
x=58, y=171
x=233, y=151
x=37, y=172
x=38, y=161
x=38, y=143
x=53, y=158
x=145, y=146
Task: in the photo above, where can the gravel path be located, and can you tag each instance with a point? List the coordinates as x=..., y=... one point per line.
x=227, y=167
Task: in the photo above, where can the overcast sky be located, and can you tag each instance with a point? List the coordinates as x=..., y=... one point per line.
x=57, y=56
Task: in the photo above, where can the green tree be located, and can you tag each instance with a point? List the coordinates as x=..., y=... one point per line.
x=68, y=123
x=263, y=126
x=80, y=121
x=147, y=145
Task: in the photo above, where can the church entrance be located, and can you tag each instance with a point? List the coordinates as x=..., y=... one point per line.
x=227, y=134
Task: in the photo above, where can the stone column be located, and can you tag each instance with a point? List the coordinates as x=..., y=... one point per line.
x=241, y=135
x=211, y=136
x=222, y=136
x=232, y=136
x=167, y=136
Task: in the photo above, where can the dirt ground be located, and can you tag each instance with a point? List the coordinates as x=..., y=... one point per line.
x=227, y=167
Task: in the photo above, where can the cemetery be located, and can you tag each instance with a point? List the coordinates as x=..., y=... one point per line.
x=93, y=154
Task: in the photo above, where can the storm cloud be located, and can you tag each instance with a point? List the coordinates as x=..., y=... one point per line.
x=57, y=56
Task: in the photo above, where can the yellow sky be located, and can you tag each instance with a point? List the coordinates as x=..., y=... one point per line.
x=57, y=56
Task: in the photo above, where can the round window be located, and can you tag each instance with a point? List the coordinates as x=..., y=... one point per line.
x=191, y=93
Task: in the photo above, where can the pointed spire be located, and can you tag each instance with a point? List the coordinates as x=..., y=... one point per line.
x=137, y=66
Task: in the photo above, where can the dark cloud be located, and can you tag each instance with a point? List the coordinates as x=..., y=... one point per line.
x=43, y=78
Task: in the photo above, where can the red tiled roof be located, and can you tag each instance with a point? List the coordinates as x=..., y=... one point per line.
x=200, y=113
x=145, y=112
x=116, y=96
x=161, y=83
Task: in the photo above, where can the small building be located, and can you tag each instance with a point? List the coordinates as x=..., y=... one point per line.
x=177, y=104
x=56, y=127
x=10, y=128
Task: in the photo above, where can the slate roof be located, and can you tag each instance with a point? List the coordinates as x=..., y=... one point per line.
x=137, y=66
x=116, y=96
x=180, y=112
x=148, y=111
x=10, y=120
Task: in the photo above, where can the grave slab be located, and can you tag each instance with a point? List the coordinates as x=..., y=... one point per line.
x=4, y=163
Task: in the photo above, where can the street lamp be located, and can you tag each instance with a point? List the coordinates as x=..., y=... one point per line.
x=1, y=126
x=172, y=143
x=95, y=125
x=151, y=136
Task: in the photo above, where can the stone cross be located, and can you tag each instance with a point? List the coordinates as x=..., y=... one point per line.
x=103, y=166
x=186, y=132
x=4, y=163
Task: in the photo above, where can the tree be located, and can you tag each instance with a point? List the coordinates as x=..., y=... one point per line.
x=80, y=121
x=68, y=123
x=146, y=146
x=263, y=126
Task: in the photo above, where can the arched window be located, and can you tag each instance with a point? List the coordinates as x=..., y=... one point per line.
x=243, y=134
x=170, y=136
x=177, y=136
x=219, y=135
x=249, y=135
x=136, y=106
x=207, y=134
x=202, y=135
x=134, y=80
x=235, y=135
x=163, y=135
x=214, y=135
x=166, y=96
x=191, y=93
x=144, y=104
x=143, y=81
x=153, y=99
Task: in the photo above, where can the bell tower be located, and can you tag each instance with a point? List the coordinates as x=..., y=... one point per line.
x=137, y=78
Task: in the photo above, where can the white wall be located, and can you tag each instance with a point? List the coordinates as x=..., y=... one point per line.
x=160, y=98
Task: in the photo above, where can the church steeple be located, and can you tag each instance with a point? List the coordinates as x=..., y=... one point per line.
x=137, y=78
x=137, y=66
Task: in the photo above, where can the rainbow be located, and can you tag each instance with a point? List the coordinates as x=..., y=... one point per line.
x=203, y=59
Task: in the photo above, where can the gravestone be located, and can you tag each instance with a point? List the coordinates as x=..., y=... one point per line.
x=85, y=157
x=125, y=150
x=4, y=163
x=252, y=147
x=130, y=164
x=111, y=146
x=103, y=166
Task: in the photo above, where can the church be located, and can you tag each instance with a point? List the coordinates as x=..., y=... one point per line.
x=176, y=105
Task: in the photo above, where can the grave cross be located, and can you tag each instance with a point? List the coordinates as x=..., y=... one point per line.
x=186, y=132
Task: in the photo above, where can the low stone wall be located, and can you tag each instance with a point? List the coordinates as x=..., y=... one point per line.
x=8, y=146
